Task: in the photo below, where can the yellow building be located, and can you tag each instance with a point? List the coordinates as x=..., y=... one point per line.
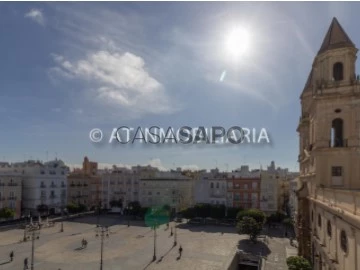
x=84, y=186
x=328, y=221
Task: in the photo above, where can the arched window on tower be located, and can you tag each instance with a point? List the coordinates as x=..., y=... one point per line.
x=338, y=71
x=337, y=133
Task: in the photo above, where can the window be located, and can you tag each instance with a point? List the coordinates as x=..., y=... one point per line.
x=319, y=220
x=312, y=215
x=337, y=133
x=212, y=185
x=254, y=185
x=236, y=197
x=217, y=185
x=246, y=196
x=149, y=193
x=237, y=185
x=343, y=241
x=329, y=231
x=245, y=186
x=338, y=71
x=336, y=171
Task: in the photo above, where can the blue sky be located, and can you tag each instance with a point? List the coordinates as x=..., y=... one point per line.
x=67, y=68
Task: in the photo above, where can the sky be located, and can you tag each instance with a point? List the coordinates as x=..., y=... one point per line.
x=67, y=68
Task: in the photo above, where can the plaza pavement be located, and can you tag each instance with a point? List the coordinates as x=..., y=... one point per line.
x=129, y=248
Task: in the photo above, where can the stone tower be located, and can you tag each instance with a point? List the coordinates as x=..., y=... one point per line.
x=329, y=150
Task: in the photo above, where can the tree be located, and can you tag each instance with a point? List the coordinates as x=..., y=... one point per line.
x=298, y=263
x=7, y=213
x=248, y=225
x=42, y=208
x=232, y=212
x=134, y=208
x=256, y=214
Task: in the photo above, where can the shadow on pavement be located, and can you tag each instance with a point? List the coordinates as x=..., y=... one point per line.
x=148, y=265
x=5, y=262
x=107, y=220
x=207, y=228
x=255, y=248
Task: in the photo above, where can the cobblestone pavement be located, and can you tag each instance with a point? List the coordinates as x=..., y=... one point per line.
x=131, y=248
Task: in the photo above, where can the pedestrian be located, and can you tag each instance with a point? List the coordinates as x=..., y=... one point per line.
x=26, y=263
x=11, y=255
x=180, y=251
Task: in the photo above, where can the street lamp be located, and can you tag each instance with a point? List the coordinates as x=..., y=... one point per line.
x=154, y=256
x=98, y=214
x=175, y=236
x=102, y=232
x=34, y=234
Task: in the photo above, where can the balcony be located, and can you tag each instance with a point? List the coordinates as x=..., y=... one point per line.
x=2, y=199
x=53, y=186
x=52, y=196
x=12, y=198
x=42, y=186
x=340, y=199
x=63, y=185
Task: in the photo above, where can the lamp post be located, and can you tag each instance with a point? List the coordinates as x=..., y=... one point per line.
x=175, y=236
x=154, y=256
x=98, y=214
x=102, y=232
x=35, y=234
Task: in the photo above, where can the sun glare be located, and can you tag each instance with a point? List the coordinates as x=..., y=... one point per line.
x=237, y=42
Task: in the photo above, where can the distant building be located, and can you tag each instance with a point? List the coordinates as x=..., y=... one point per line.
x=244, y=191
x=84, y=185
x=269, y=192
x=11, y=191
x=175, y=191
x=293, y=200
x=44, y=184
x=210, y=187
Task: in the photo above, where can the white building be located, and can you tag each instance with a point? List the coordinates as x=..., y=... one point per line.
x=43, y=184
x=175, y=191
x=121, y=183
x=244, y=172
x=211, y=188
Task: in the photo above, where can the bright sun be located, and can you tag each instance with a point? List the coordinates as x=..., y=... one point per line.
x=237, y=42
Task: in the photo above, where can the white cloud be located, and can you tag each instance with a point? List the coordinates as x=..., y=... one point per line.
x=121, y=79
x=36, y=15
x=190, y=167
x=156, y=162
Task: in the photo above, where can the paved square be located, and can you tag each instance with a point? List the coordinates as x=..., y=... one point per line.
x=131, y=248
x=204, y=247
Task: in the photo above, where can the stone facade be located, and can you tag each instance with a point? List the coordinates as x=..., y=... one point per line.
x=328, y=221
